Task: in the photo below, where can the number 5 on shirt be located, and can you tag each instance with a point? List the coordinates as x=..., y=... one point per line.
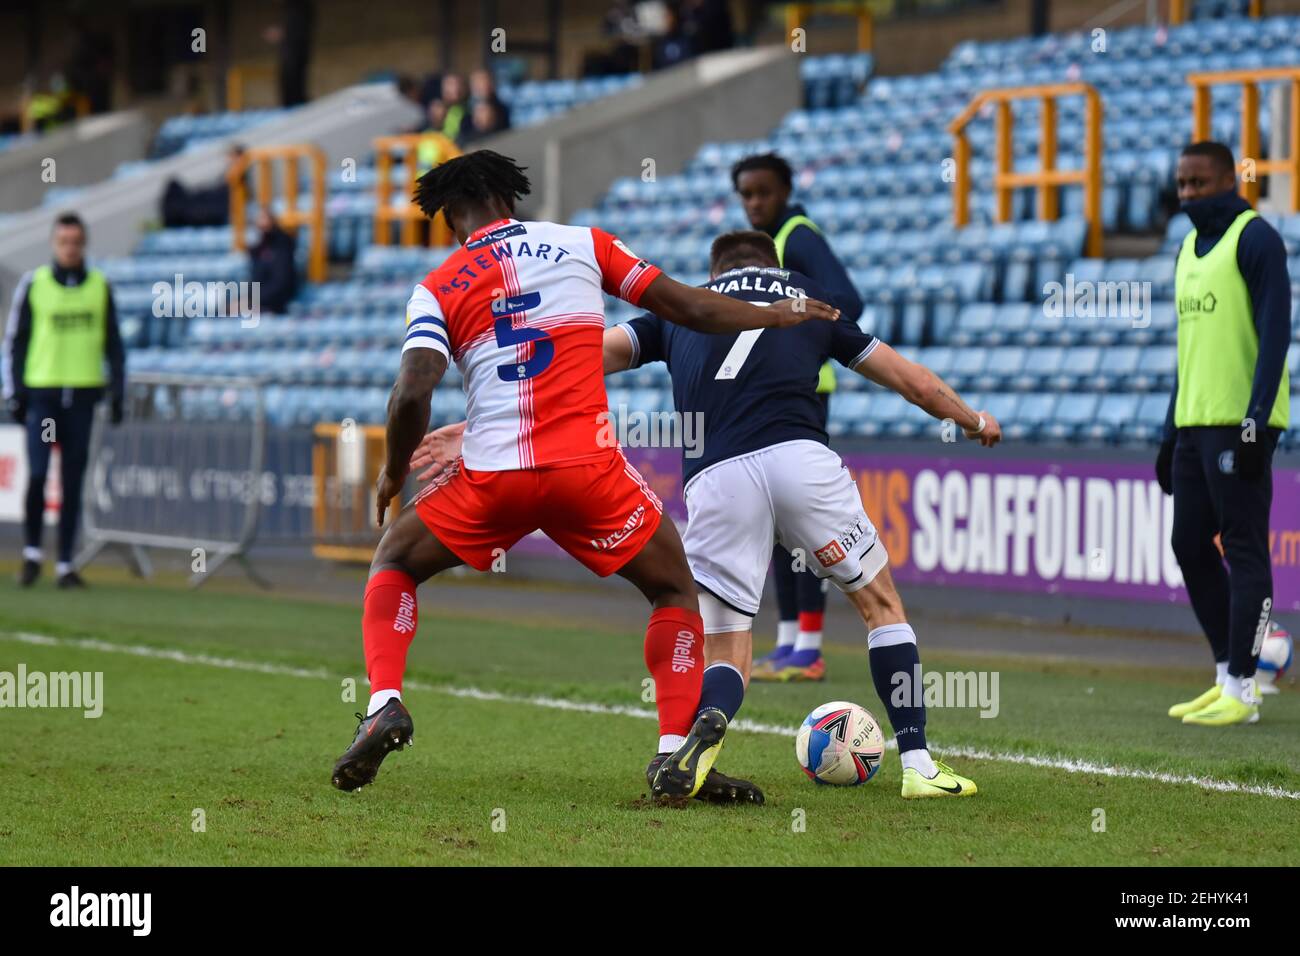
x=508, y=334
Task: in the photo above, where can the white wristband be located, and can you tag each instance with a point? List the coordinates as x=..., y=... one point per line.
x=980, y=428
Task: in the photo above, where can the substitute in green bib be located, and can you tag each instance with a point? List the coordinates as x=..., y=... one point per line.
x=1230, y=404
x=62, y=353
x=764, y=184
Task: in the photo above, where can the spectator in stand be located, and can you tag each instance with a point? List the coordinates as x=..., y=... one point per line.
x=292, y=36
x=485, y=119
x=408, y=88
x=449, y=113
x=621, y=25
x=45, y=111
x=430, y=151
x=203, y=205
x=706, y=26
x=483, y=88
x=430, y=89
x=272, y=264
x=672, y=46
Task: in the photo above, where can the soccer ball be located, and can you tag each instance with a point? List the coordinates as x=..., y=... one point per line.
x=840, y=743
x=1275, y=656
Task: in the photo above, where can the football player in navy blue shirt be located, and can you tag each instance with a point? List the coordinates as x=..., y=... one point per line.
x=766, y=470
x=764, y=183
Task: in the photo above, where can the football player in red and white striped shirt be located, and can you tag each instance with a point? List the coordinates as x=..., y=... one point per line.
x=519, y=308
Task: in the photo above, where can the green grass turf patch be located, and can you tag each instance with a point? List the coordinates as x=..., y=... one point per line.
x=254, y=751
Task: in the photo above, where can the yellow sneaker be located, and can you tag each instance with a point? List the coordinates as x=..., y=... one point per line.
x=1228, y=710
x=681, y=775
x=945, y=783
x=1199, y=703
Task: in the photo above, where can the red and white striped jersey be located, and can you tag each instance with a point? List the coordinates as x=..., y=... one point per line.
x=519, y=309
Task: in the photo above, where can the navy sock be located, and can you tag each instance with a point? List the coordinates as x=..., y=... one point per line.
x=893, y=651
x=723, y=690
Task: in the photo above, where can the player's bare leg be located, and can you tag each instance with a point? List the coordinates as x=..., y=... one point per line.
x=689, y=737
x=892, y=651
x=407, y=555
x=731, y=647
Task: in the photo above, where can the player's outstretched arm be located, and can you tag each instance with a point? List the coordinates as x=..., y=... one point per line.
x=617, y=349
x=928, y=391
x=704, y=310
x=408, y=418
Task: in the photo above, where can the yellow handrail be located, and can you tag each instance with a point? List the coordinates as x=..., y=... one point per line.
x=292, y=217
x=1250, y=79
x=797, y=13
x=1047, y=178
x=407, y=214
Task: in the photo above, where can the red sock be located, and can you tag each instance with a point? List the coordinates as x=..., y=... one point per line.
x=811, y=621
x=674, y=653
x=387, y=626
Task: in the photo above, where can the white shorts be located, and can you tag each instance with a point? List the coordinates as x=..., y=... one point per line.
x=798, y=493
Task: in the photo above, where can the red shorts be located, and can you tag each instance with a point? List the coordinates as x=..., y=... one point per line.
x=600, y=511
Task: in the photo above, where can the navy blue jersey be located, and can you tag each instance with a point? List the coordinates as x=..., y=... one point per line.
x=752, y=389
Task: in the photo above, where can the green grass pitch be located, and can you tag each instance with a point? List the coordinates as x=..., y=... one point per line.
x=508, y=781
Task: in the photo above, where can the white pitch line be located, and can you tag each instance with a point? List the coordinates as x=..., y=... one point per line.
x=1067, y=764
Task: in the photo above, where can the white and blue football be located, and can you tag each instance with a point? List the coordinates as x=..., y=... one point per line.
x=840, y=743
x=1275, y=656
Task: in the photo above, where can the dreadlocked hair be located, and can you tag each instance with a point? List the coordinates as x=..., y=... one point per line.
x=474, y=178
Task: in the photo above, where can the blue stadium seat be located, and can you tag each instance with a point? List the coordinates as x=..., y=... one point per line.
x=1114, y=412
x=1073, y=414
x=1149, y=423
x=1156, y=369
x=1005, y=364
x=1032, y=415
x=1041, y=366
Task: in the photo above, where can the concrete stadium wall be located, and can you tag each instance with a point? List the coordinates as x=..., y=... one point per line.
x=343, y=124
x=83, y=153
x=573, y=159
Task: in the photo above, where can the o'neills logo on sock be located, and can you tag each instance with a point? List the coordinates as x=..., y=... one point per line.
x=405, y=622
x=682, y=647
x=633, y=522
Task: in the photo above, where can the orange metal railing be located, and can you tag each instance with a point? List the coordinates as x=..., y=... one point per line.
x=1179, y=9
x=796, y=14
x=345, y=460
x=1250, y=145
x=292, y=216
x=407, y=214
x=1047, y=178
